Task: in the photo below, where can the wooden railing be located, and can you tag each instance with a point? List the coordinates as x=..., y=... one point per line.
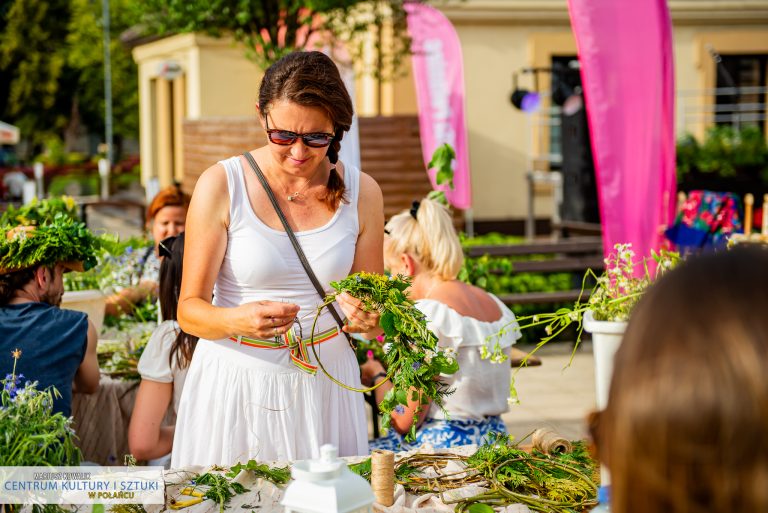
x=575, y=254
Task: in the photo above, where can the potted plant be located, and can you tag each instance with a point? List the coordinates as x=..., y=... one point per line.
x=604, y=313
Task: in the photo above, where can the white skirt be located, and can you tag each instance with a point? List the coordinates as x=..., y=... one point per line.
x=242, y=403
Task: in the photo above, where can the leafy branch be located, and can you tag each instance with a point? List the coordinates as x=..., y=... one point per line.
x=414, y=361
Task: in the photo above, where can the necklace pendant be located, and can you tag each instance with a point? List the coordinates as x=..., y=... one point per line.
x=290, y=197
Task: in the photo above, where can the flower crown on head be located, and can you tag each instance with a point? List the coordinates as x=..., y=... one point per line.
x=63, y=241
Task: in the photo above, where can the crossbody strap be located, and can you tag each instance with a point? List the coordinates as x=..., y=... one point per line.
x=294, y=241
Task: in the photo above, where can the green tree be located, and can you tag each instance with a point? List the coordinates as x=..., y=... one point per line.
x=270, y=29
x=32, y=59
x=51, y=65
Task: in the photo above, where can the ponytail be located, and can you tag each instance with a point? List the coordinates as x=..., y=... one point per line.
x=426, y=231
x=336, y=189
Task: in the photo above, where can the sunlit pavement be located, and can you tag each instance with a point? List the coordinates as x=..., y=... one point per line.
x=555, y=394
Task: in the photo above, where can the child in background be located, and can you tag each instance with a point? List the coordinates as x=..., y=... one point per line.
x=163, y=364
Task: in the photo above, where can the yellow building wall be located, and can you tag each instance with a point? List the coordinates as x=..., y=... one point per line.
x=499, y=37
x=214, y=80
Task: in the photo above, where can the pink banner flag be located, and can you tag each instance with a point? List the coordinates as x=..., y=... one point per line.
x=625, y=51
x=438, y=71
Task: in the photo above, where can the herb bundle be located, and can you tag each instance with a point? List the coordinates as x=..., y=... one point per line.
x=413, y=360
x=61, y=240
x=220, y=489
x=32, y=435
x=550, y=483
x=276, y=475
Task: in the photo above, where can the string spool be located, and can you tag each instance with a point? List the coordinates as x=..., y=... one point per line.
x=548, y=441
x=383, y=476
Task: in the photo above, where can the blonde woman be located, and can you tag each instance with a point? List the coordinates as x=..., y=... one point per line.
x=422, y=243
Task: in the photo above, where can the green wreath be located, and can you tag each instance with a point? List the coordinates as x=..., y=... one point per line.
x=64, y=240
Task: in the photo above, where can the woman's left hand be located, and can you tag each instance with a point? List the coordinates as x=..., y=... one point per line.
x=359, y=318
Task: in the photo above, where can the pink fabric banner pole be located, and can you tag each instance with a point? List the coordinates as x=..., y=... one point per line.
x=438, y=72
x=625, y=51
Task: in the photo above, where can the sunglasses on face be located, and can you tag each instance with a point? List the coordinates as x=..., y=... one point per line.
x=286, y=137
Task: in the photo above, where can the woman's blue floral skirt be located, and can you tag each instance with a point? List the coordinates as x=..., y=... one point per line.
x=442, y=434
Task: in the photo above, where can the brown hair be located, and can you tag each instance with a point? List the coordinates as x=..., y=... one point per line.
x=426, y=232
x=311, y=79
x=687, y=416
x=13, y=281
x=170, y=284
x=171, y=196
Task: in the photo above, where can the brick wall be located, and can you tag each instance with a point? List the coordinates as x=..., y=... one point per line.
x=390, y=151
x=206, y=141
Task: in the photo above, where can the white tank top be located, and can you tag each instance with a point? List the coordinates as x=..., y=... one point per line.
x=261, y=264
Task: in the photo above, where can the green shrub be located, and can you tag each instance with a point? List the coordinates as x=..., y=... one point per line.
x=497, y=276
x=89, y=184
x=725, y=152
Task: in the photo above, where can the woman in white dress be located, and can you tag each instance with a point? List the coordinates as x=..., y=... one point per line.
x=247, y=296
x=422, y=243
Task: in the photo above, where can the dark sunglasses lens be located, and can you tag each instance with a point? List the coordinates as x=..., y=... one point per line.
x=316, y=140
x=281, y=137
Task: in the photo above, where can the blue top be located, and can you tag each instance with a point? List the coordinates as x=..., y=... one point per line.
x=52, y=341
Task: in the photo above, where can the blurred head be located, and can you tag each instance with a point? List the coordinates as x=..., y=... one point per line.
x=303, y=93
x=45, y=282
x=167, y=213
x=171, y=267
x=687, y=416
x=426, y=234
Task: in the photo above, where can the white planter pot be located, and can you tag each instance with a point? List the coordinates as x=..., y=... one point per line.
x=91, y=302
x=606, y=338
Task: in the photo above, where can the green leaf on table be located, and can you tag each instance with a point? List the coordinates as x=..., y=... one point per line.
x=479, y=507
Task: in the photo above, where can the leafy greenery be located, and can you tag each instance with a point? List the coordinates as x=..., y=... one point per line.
x=551, y=483
x=441, y=161
x=402, y=472
x=51, y=68
x=613, y=296
x=414, y=361
x=38, y=212
x=270, y=29
x=118, y=266
x=120, y=360
x=32, y=435
x=498, y=275
x=726, y=152
x=276, y=475
x=220, y=489
x=62, y=240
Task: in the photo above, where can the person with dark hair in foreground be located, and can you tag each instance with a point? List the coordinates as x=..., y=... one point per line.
x=687, y=416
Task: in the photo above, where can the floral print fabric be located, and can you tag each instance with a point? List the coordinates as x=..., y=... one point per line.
x=442, y=434
x=706, y=219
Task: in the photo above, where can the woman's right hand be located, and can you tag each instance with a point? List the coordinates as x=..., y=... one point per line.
x=266, y=319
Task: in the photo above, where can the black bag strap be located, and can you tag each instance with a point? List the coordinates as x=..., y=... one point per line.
x=294, y=241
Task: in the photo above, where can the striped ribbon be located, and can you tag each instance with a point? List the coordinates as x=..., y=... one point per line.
x=293, y=342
